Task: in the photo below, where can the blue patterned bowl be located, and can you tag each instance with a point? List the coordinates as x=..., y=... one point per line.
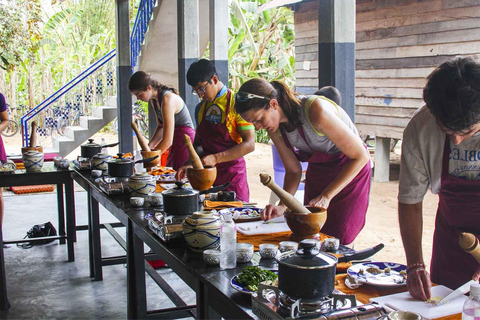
x=33, y=161
x=100, y=161
x=141, y=184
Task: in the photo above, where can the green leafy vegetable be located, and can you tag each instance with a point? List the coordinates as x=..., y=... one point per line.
x=250, y=277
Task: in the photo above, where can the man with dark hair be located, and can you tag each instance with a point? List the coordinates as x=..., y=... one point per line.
x=441, y=149
x=222, y=134
x=331, y=93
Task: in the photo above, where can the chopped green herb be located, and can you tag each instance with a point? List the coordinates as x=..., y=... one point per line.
x=250, y=277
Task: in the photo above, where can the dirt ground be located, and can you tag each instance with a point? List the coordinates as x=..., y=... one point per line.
x=382, y=222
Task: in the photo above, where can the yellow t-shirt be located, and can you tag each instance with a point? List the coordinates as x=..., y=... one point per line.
x=216, y=114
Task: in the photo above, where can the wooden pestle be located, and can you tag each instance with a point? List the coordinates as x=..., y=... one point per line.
x=33, y=136
x=470, y=244
x=194, y=158
x=287, y=199
x=141, y=139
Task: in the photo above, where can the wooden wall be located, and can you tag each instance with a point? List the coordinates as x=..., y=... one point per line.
x=398, y=43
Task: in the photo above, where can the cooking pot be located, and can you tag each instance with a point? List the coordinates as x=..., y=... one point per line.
x=306, y=273
x=90, y=149
x=179, y=200
x=123, y=167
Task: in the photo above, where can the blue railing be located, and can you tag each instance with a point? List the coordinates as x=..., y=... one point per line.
x=144, y=14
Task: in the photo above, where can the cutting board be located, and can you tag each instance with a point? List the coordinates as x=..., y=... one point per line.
x=259, y=227
x=404, y=301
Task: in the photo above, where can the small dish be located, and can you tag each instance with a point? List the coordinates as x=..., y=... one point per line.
x=331, y=244
x=268, y=250
x=155, y=199
x=244, y=252
x=389, y=274
x=96, y=173
x=137, y=201
x=211, y=257
x=288, y=246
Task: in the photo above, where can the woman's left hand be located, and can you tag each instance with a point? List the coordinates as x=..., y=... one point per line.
x=320, y=201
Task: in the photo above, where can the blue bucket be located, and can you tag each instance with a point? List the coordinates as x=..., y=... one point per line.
x=279, y=169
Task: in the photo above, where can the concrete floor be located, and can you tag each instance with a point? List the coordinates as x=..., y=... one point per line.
x=43, y=285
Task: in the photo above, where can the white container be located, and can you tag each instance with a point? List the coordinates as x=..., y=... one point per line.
x=211, y=257
x=155, y=199
x=244, y=252
x=100, y=161
x=33, y=161
x=141, y=184
x=137, y=201
x=202, y=231
x=471, y=307
x=268, y=250
x=288, y=246
x=228, y=243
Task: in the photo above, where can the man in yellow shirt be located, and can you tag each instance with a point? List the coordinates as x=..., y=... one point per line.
x=223, y=135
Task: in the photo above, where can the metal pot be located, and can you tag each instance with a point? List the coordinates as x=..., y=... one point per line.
x=180, y=201
x=123, y=167
x=90, y=149
x=306, y=273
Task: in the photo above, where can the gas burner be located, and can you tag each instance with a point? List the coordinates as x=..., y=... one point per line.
x=167, y=227
x=113, y=185
x=304, y=306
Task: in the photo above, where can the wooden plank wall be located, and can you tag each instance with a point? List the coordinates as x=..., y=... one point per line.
x=398, y=43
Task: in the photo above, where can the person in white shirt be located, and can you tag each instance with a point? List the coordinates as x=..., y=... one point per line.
x=441, y=150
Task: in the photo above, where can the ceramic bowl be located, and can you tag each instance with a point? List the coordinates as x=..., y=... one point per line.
x=137, y=201
x=33, y=161
x=288, y=246
x=155, y=199
x=268, y=250
x=202, y=179
x=331, y=244
x=96, y=173
x=211, y=257
x=100, y=161
x=306, y=225
x=141, y=184
x=202, y=231
x=244, y=252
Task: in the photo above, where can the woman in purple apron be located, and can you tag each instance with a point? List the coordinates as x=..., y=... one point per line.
x=3, y=155
x=317, y=131
x=172, y=117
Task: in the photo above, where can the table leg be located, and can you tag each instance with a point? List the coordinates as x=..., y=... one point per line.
x=61, y=212
x=204, y=311
x=136, y=288
x=70, y=213
x=96, y=246
x=4, y=304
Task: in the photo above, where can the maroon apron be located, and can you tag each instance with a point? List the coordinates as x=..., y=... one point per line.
x=458, y=211
x=3, y=154
x=178, y=154
x=214, y=138
x=347, y=210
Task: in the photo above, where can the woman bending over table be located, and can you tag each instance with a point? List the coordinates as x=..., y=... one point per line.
x=313, y=129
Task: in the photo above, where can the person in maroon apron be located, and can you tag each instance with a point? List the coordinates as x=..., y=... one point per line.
x=452, y=96
x=338, y=181
x=3, y=155
x=172, y=117
x=213, y=135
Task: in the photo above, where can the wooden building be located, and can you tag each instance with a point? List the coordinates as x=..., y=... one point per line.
x=398, y=43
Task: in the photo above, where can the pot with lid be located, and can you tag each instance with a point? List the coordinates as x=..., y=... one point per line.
x=306, y=273
x=123, y=167
x=180, y=201
x=90, y=149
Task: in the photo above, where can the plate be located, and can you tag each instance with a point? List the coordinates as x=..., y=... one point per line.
x=392, y=279
x=166, y=178
x=237, y=286
x=246, y=214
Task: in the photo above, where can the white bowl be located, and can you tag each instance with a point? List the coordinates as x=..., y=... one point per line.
x=244, y=252
x=137, y=201
x=288, y=246
x=268, y=250
x=96, y=173
x=211, y=257
x=155, y=199
x=331, y=244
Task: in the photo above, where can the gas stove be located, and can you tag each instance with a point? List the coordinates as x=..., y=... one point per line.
x=269, y=303
x=113, y=185
x=167, y=227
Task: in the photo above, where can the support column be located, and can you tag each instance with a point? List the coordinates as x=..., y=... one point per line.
x=336, y=49
x=188, y=42
x=382, y=160
x=219, y=19
x=124, y=71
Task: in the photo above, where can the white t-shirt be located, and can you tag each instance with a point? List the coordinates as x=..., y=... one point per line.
x=422, y=155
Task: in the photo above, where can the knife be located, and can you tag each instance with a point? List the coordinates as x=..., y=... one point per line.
x=362, y=254
x=457, y=292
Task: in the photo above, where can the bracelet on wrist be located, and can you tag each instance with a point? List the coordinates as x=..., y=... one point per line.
x=412, y=266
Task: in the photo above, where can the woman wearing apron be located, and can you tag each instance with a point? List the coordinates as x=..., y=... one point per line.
x=3, y=155
x=315, y=130
x=172, y=116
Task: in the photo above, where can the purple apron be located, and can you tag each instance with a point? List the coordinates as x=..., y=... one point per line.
x=178, y=154
x=3, y=154
x=214, y=138
x=458, y=211
x=347, y=210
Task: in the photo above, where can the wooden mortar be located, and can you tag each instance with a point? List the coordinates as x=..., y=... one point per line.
x=194, y=158
x=202, y=179
x=306, y=225
x=469, y=243
x=286, y=198
x=148, y=154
